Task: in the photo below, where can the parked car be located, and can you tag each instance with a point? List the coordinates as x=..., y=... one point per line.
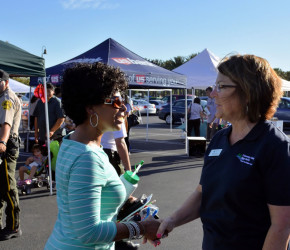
x=143, y=106
x=178, y=110
x=283, y=111
x=158, y=104
x=166, y=99
x=25, y=102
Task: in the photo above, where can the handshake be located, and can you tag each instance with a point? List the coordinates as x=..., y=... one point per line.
x=156, y=229
x=140, y=217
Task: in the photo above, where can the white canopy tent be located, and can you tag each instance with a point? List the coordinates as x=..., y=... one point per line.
x=18, y=87
x=285, y=85
x=201, y=71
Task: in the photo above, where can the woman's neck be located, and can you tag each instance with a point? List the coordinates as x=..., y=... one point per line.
x=240, y=129
x=88, y=135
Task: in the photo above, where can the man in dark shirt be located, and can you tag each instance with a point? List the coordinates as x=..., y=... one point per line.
x=55, y=114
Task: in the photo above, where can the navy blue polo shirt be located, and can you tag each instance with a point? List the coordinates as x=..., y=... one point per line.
x=238, y=181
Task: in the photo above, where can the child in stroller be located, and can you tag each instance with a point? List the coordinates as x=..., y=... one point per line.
x=33, y=165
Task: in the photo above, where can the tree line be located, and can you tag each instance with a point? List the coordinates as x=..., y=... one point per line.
x=171, y=64
x=179, y=60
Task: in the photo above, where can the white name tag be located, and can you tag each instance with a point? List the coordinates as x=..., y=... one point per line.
x=215, y=152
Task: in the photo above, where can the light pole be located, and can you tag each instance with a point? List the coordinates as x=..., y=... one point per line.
x=43, y=51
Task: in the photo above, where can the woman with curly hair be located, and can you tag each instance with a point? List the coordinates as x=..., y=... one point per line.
x=89, y=191
x=243, y=198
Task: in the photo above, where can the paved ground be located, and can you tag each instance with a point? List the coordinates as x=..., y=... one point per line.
x=168, y=173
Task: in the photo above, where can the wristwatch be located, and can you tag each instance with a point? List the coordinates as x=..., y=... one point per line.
x=3, y=142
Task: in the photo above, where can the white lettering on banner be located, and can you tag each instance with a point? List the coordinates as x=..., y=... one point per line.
x=54, y=78
x=50, y=78
x=122, y=61
x=140, y=79
x=129, y=61
x=84, y=60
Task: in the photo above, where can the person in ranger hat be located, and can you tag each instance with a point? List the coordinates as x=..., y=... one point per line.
x=10, y=114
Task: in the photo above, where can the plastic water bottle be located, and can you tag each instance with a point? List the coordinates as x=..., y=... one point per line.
x=130, y=180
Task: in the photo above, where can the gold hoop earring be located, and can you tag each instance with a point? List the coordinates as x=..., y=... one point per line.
x=96, y=122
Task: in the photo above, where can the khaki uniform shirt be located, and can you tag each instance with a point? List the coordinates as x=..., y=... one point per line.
x=10, y=110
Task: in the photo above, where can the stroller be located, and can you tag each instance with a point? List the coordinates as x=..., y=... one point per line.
x=41, y=177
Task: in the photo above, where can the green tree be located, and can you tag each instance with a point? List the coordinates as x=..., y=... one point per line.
x=172, y=63
x=283, y=74
x=24, y=80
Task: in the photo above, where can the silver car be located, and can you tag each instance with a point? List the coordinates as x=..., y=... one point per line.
x=143, y=106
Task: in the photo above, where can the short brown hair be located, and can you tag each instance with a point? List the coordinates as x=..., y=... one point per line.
x=259, y=87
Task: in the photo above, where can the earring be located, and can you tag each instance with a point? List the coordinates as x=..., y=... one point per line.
x=96, y=122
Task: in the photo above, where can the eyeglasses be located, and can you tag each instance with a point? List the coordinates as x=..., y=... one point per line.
x=115, y=101
x=219, y=86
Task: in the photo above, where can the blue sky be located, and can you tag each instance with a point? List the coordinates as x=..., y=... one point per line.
x=155, y=29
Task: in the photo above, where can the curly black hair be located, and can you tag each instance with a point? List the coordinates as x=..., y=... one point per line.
x=89, y=84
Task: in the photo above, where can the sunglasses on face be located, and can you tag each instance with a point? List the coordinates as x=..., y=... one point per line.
x=219, y=86
x=115, y=101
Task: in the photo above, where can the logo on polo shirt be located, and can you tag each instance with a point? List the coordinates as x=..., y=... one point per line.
x=249, y=160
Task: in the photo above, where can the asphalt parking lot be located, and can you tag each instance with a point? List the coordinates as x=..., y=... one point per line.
x=167, y=173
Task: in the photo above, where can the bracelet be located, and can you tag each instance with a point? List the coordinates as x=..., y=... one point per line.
x=3, y=142
x=130, y=229
x=134, y=230
x=137, y=230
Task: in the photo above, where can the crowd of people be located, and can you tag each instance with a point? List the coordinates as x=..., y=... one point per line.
x=242, y=199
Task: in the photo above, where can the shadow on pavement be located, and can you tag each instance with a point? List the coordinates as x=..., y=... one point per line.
x=155, y=171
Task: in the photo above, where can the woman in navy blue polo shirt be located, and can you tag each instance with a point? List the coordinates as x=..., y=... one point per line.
x=243, y=198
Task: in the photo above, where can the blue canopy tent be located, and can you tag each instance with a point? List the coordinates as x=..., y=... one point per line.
x=140, y=73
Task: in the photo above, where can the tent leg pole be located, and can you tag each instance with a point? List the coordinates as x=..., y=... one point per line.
x=47, y=132
x=28, y=124
x=171, y=120
x=147, y=116
x=185, y=120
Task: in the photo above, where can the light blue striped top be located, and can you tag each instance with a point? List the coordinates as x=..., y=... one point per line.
x=89, y=194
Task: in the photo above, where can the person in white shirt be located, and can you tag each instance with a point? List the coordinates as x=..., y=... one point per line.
x=212, y=123
x=196, y=114
x=115, y=147
x=127, y=113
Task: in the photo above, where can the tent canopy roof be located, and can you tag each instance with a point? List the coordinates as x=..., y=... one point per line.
x=201, y=71
x=18, y=87
x=18, y=62
x=285, y=85
x=140, y=73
